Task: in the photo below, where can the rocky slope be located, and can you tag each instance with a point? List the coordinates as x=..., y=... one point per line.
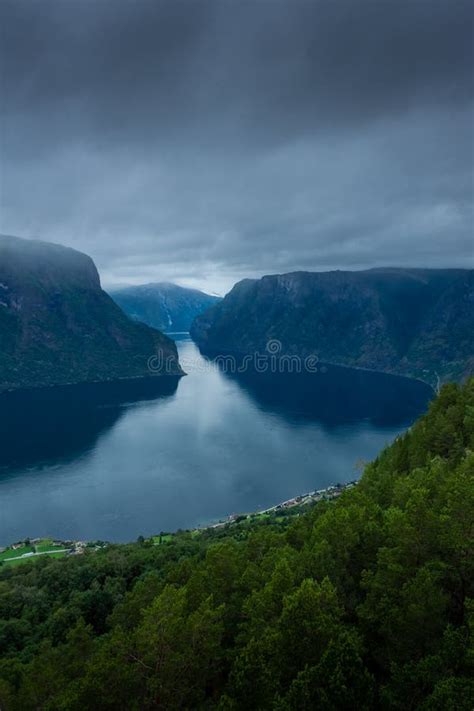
x=165, y=306
x=57, y=326
x=415, y=322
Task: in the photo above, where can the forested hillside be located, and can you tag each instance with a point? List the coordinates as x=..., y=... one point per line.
x=362, y=603
x=58, y=327
x=415, y=322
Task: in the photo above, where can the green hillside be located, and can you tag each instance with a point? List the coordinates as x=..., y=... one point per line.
x=365, y=602
x=415, y=322
x=58, y=327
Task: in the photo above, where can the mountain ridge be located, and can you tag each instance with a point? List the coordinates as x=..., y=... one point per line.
x=415, y=322
x=163, y=305
x=58, y=327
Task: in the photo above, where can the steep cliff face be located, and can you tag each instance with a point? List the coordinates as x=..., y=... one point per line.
x=57, y=326
x=165, y=306
x=410, y=321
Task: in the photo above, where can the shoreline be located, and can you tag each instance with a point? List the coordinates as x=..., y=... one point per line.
x=310, y=497
x=335, y=364
x=48, y=387
x=63, y=548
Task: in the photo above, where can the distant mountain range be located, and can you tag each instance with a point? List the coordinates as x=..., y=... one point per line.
x=165, y=306
x=57, y=326
x=417, y=322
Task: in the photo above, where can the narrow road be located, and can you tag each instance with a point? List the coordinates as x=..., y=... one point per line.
x=33, y=555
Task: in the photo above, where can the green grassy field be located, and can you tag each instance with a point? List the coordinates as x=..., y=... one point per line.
x=11, y=553
x=13, y=556
x=46, y=545
x=258, y=516
x=57, y=554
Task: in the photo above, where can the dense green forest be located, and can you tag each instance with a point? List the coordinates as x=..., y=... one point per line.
x=365, y=602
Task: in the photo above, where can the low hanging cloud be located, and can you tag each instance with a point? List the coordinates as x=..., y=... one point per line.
x=205, y=141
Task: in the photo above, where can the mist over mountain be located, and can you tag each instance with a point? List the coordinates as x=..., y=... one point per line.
x=163, y=305
x=202, y=141
x=57, y=326
x=417, y=322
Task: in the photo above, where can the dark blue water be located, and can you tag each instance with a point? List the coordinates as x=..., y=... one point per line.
x=115, y=461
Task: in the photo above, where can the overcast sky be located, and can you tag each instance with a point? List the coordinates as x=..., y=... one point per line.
x=206, y=141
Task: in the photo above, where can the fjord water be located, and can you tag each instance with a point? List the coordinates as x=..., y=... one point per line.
x=115, y=461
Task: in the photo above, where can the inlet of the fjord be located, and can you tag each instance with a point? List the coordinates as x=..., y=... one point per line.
x=116, y=461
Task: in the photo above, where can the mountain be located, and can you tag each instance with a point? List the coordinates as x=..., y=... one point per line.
x=57, y=326
x=362, y=601
x=165, y=306
x=417, y=322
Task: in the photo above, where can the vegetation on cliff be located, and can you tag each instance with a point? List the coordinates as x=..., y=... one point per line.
x=57, y=326
x=417, y=322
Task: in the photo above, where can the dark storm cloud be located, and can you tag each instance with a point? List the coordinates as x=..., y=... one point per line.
x=205, y=141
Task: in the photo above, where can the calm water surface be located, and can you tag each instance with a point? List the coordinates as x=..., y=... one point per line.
x=115, y=461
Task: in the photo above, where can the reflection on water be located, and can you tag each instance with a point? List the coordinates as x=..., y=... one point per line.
x=119, y=460
x=333, y=395
x=56, y=424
